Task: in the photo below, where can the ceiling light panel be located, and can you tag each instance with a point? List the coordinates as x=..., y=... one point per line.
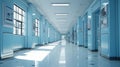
x=60, y=4
x=61, y=14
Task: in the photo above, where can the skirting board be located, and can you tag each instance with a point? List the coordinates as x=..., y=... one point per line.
x=111, y=58
x=80, y=45
x=95, y=50
x=7, y=55
x=86, y=46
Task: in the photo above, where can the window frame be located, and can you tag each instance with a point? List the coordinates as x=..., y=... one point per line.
x=36, y=27
x=19, y=20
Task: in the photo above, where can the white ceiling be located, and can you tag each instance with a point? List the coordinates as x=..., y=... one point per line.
x=62, y=23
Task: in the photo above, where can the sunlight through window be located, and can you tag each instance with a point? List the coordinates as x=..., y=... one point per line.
x=37, y=55
x=34, y=55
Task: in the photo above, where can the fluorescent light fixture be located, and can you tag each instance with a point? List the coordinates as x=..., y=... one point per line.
x=60, y=4
x=106, y=3
x=89, y=17
x=33, y=14
x=61, y=14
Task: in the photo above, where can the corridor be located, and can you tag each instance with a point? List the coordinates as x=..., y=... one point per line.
x=58, y=54
x=59, y=33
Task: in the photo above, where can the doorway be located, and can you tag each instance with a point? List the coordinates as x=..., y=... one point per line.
x=96, y=30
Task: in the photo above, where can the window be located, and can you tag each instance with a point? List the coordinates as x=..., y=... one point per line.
x=19, y=18
x=36, y=27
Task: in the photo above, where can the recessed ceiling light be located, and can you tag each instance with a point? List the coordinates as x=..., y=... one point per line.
x=61, y=14
x=106, y=3
x=89, y=16
x=33, y=14
x=60, y=4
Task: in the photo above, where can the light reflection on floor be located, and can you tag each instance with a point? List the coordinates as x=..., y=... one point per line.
x=62, y=59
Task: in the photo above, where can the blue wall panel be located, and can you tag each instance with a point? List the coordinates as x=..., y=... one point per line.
x=32, y=39
x=95, y=27
x=46, y=32
x=80, y=32
x=75, y=34
x=113, y=20
x=7, y=39
x=85, y=40
x=90, y=30
x=90, y=39
x=30, y=28
x=12, y=42
x=119, y=23
x=0, y=26
x=50, y=33
x=41, y=30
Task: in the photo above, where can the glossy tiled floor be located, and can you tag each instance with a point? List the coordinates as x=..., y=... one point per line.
x=58, y=54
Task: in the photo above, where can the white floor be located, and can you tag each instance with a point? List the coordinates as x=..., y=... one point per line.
x=58, y=54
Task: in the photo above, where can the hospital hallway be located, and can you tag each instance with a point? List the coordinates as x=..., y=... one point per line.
x=58, y=54
x=59, y=33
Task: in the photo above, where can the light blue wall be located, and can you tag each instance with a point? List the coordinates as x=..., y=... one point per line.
x=96, y=27
x=75, y=34
x=119, y=23
x=46, y=31
x=41, y=30
x=78, y=31
x=32, y=39
x=50, y=32
x=53, y=34
x=84, y=21
x=113, y=30
x=0, y=26
x=43, y=33
x=80, y=34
